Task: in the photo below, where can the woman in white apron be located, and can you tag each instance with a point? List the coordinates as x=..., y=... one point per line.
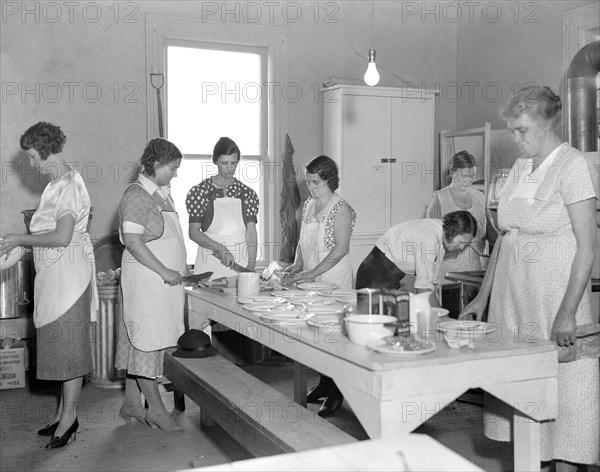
x=153, y=298
x=222, y=216
x=323, y=251
x=222, y=220
x=65, y=295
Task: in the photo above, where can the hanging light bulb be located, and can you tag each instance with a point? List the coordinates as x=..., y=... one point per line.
x=371, y=75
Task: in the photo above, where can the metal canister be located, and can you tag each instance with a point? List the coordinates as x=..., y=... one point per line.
x=376, y=301
x=402, y=310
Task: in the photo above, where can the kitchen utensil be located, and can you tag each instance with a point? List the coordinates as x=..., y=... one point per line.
x=160, y=79
x=240, y=269
x=195, y=278
x=412, y=348
x=365, y=328
x=248, y=284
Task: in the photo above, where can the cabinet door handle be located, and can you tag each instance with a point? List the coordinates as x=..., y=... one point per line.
x=392, y=160
x=384, y=160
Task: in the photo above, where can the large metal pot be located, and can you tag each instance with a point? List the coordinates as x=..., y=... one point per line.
x=16, y=288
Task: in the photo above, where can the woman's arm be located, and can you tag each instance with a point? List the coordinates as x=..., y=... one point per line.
x=219, y=250
x=60, y=237
x=478, y=304
x=342, y=229
x=252, y=244
x=583, y=218
x=434, y=210
x=144, y=256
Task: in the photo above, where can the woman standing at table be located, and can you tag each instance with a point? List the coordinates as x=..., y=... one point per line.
x=222, y=216
x=539, y=274
x=153, y=298
x=323, y=251
x=460, y=195
x=66, y=299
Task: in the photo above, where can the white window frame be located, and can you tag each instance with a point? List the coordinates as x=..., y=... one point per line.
x=163, y=31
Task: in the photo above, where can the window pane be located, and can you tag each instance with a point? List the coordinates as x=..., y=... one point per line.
x=211, y=94
x=192, y=172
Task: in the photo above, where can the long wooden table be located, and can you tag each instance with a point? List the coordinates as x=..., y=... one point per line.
x=391, y=395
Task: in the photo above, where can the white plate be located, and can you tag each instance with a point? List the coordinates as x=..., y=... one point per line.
x=340, y=294
x=263, y=306
x=294, y=293
x=280, y=315
x=264, y=300
x=382, y=347
x=324, y=310
x=319, y=286
x=311, y=300
x=317, y=320
x=465, y=326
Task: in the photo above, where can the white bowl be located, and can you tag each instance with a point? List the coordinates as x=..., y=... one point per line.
x=363, y=329
x=14, y=256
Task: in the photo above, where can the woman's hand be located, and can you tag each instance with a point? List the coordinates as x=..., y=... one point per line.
x=8, y=243
x=564, y=329
x=172, y=277
x=288, y=275
x=476, y=307
x=224, y=255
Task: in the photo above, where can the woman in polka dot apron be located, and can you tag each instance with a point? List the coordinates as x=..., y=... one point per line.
x=539, y=274
x=222, y=216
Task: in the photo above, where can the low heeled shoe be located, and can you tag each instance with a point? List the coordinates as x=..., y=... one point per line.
x=316, y=394
x=60, y=441
x=48, y=430
x=329, y=406
x=130, y=410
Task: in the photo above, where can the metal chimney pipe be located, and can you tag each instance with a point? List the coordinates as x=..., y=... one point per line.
x=582, y=125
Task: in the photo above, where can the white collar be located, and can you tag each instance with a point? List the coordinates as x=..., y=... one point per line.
x=151, y=187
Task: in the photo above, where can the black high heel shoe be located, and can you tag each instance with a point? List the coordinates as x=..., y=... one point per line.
x=316, y=394
x=61, y=441
x=329, y=406
x=48, y=430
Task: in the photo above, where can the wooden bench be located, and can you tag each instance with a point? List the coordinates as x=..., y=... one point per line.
x=256, y=415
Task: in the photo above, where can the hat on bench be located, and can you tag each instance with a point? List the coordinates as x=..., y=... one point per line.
x=194, y=343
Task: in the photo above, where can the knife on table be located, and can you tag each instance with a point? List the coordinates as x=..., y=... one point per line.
x=238, y=268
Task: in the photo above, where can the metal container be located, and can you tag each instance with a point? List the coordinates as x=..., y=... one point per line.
x=375, y=301
x=16, y=288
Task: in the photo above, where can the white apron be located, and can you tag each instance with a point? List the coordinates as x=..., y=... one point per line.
x=152, y=309
x=227, y=228
x=62, y=276
x=312, y=245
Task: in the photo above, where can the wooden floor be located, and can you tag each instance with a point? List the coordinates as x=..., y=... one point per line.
x=105, y=443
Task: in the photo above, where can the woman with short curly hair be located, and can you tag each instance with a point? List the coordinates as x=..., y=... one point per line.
x=153, y=262
x=65, y=295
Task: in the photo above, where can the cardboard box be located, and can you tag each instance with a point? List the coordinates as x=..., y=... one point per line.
x=12, y=368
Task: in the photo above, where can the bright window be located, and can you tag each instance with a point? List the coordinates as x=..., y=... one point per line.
x=213, y=93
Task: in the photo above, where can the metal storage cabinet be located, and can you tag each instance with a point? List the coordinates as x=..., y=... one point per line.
x=383, y=141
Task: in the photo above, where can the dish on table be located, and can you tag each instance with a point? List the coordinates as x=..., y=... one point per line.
x=277, y=315
x=264, y=299
x=339, y=294
x=319, y=286
x=414, y=347
x=266, y=306
x=293, y=293
x=457, y=327
x=322, y=320
x=324, y=310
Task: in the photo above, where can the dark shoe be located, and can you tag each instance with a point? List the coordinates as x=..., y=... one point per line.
x=316, y=394
x=61, y=441
x=329, y=406
x=48, y=430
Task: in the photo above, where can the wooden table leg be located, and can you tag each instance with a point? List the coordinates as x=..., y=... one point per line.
x=526, y=443
x=300, y=374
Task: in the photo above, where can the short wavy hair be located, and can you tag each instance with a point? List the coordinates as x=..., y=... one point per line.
x=540, y=103
x=327, y=170
x=45, y=138
x=225, y=147
x=459, y=222
x=460, y=160
x=161, y=151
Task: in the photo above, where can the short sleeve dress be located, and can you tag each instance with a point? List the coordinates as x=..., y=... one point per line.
x=530, y=280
